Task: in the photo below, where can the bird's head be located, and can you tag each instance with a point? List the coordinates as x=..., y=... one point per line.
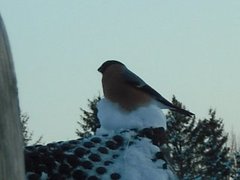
x=107, y=64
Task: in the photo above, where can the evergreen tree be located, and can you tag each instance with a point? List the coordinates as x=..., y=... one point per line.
x=89, y=120
x=179, y=133
x=198, y=148
x=216, y=161
x=236, y=174
x=27, y=135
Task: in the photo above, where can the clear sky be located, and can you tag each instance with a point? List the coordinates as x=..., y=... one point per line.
x=187, y=48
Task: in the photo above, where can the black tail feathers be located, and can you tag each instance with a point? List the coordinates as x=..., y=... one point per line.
x=183, y=111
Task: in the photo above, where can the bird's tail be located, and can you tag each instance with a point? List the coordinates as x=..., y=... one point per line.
x=182, y=111
x=168, y=105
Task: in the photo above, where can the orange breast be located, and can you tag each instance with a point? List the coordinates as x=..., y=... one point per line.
x=117, y=90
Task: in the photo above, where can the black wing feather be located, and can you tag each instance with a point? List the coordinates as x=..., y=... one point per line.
x=137, y=82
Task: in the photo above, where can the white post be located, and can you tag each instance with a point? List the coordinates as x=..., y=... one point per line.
x=11, y=142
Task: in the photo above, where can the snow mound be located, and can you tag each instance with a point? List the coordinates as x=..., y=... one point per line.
x=127, y=146
x=126, y=155
x=113, y=118
x=137, y=163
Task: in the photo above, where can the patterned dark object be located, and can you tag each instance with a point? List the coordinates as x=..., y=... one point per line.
x=157, y=135
x=88, y=158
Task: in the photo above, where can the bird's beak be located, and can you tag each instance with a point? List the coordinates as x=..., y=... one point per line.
x=100, y=69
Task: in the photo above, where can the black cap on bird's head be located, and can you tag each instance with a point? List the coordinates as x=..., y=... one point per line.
x=108, y=63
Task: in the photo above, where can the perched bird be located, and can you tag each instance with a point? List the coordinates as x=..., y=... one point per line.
x=125, y=88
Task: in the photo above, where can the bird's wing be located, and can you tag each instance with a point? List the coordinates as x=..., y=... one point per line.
x=138, y=83
x=133, y=79
x=164, y=101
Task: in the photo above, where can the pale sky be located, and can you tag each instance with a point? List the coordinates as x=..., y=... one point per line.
x=187, y=48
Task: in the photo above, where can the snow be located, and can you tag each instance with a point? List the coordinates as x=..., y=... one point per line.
x=113, y=118
x=136, y=163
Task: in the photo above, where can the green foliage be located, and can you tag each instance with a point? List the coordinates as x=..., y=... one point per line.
x=179, y=133
x=27, y=135
x=89, y=120
x=198, y=148
x=215, y=160
x=236, y=159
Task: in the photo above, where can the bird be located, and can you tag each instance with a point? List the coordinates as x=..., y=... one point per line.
x=129, y=91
